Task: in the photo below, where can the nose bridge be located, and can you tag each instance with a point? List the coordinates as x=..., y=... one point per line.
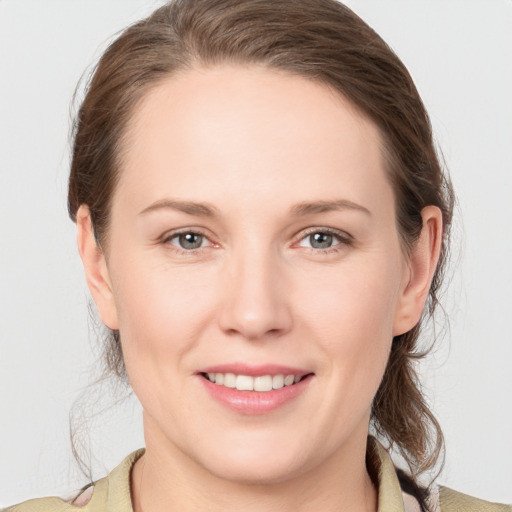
x=255, y=304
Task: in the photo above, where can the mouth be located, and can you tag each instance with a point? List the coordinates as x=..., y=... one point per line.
x=261, y=383
x=255, y=390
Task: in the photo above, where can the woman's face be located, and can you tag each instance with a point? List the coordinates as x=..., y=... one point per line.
x=253, y=233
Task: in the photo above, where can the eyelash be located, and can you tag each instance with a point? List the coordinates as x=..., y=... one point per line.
x=175, y=234
x=344, y=240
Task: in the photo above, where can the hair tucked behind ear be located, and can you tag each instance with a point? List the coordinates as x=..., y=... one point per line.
x=321, y=40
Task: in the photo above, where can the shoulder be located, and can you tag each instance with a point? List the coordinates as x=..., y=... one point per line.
x=42, y=505
x=109, y=493
x=454, y=501
x=81, y=503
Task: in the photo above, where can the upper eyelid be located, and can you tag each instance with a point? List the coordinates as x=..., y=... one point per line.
x=342, y=235
x=166, y=238
x=180, y=231
x=345, y=240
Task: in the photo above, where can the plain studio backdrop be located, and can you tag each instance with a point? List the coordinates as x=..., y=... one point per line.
x=460, y=54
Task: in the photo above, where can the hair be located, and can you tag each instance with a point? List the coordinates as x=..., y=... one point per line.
x=321, y=40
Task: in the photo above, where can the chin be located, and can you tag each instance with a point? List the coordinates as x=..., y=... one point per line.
x=255, y=462
x=267, y=472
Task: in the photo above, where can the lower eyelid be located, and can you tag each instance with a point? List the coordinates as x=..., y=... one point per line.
x=342, y=239
x=172, y=239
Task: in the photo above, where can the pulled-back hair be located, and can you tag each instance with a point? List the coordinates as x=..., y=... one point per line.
x=321, y=40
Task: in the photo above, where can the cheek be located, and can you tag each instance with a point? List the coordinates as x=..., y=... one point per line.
x=161, y=312
x=354, y=301
x=351, y=315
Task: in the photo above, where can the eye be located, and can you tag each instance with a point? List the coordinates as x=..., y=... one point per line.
x=323, y=239
x=188, y=241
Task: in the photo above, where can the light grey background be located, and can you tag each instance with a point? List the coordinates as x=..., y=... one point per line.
x=459, y=53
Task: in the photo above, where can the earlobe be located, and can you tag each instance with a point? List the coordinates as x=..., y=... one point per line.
x=422, y=265
x=95, y=267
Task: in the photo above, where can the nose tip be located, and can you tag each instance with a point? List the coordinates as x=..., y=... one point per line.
x=255, y=305
x=253, y=325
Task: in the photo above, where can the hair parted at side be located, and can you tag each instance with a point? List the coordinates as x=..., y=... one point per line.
x=321, y=40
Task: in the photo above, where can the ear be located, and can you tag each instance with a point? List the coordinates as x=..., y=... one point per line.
x=96, y=270
x=421, y=265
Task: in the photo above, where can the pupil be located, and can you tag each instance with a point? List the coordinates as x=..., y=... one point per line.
x=190, y=240
x=320, y=240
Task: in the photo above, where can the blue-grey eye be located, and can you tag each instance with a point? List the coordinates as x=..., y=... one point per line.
x=190, y=241
x=321, y=240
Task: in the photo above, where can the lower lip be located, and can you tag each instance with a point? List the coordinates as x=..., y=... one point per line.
x=255, y=402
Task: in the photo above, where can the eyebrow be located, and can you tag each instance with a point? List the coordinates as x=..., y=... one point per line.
x=300, y=209
x=307, y=208
x=190, y=207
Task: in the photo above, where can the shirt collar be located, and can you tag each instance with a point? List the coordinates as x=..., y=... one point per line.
x=382, y=469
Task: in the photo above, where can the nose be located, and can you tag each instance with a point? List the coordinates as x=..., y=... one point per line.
x=256, y=305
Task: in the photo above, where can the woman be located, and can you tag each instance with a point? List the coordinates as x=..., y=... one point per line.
x=262, y=220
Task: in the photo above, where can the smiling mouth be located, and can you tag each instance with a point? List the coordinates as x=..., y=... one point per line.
x=257, y=383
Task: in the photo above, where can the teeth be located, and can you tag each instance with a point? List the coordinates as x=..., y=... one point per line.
x=288, y=380
x=248, y=383
x=230, y=380
x=263, y=383
x=244, y=383
x=278, y=381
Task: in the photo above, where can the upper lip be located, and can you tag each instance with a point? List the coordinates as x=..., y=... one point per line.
x=255, y=370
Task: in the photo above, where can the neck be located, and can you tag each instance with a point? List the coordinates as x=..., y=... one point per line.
x=165, y=479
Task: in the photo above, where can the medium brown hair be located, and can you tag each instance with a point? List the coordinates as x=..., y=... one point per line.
x=321, y=40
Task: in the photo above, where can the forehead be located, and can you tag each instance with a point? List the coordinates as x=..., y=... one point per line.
x=245, y=131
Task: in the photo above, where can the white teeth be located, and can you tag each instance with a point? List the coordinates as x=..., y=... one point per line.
x=288, y=380
x=278, y=381
x=249, y=383
x=263, y=383
x=244, y=383
x=230, y=380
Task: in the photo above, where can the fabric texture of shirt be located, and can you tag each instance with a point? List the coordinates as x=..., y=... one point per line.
x=112, y=493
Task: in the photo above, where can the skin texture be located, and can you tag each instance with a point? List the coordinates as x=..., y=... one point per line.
x=253, y=144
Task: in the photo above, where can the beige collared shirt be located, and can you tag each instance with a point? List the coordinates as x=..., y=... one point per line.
x=112, y=493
